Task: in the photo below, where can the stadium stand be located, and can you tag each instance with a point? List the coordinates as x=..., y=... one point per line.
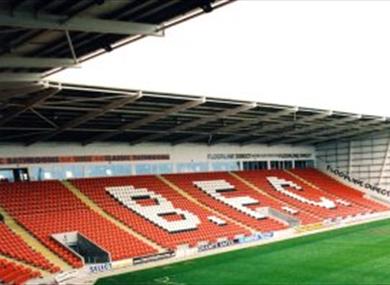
x=186, y=182
x=169, y=210
x=13, y=246
x=52, y=209
x=152, y=190
x=304, y=216
x=304, y=197
x=330, y=185
x=12, y=273
x=143, y=216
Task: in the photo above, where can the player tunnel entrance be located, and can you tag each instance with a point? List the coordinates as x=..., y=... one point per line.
x=87, y=250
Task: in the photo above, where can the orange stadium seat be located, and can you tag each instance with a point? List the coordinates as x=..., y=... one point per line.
x=51, y=208
x=13, y=246
x=186, y=182
x=330, y=185
x=205, y=231
x=12, y=273
x=259, y=178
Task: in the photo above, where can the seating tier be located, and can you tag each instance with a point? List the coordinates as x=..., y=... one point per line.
x=206, y=230
x=331, y=185
x=260, y=178
x=186, y=182
x=46, y=208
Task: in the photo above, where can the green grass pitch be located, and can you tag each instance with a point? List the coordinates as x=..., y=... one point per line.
x=353, y=255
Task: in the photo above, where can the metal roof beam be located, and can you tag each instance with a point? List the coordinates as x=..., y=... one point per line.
x=297, y=134
x=8, y=92
x=89, y=116
x=145, y=121
x=20, y=77
x=198, y=122
x=341, y=128
x=271, y=116
x=35, y=100
x=239, y=125
x=361, y=128
x=82, y=129
x=15, y=4
x=262, y=119
x=364, y=130
x=80, y=24
x=20, y=135
x=34, y=62
x=281, y=126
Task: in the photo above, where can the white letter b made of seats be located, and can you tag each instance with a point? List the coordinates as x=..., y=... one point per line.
x=129, y=197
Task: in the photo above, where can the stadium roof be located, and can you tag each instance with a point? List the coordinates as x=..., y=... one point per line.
x=88, y=114
x=39, y=37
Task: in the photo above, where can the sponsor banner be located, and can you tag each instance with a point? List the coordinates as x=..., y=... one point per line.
x=81, y=159
x=240, y=240
x=220, y=244
x=358, y=182
x=99, y=267
x=220, y=156
x=152, y=258
x=255, y=237
x=309, y=228
x=60, y=278
x=332, y=222
x=359, y=218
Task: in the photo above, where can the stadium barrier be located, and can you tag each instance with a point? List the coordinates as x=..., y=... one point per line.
x=309, y=227
x=224, y=246
x=255, y=237
x=99, y=267
x=339, y=222
x=153, y=258
x=66, y=276
x=185, y=250
x=239, y=240
x=215, y=245
x=291, y=221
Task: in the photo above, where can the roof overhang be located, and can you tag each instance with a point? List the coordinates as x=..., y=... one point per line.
x=38, y=38
x=50, y=111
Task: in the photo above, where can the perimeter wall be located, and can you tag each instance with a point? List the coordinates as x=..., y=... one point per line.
x=61, y=161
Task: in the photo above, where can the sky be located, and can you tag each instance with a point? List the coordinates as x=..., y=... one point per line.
x=322, y=54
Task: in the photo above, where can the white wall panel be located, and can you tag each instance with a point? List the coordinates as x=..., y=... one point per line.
x=367, y=158
x=182, y=158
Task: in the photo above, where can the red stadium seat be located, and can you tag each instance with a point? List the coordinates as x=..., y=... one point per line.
x=330, y=185
x=13, y=246
x=259, y=179
x=186, y=182
x=46, y=208
x=12, y=273
x=206, y=230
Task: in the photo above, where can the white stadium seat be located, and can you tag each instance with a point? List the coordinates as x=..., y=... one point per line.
x=279, y=185
x=215, y=189
x=128, y=196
